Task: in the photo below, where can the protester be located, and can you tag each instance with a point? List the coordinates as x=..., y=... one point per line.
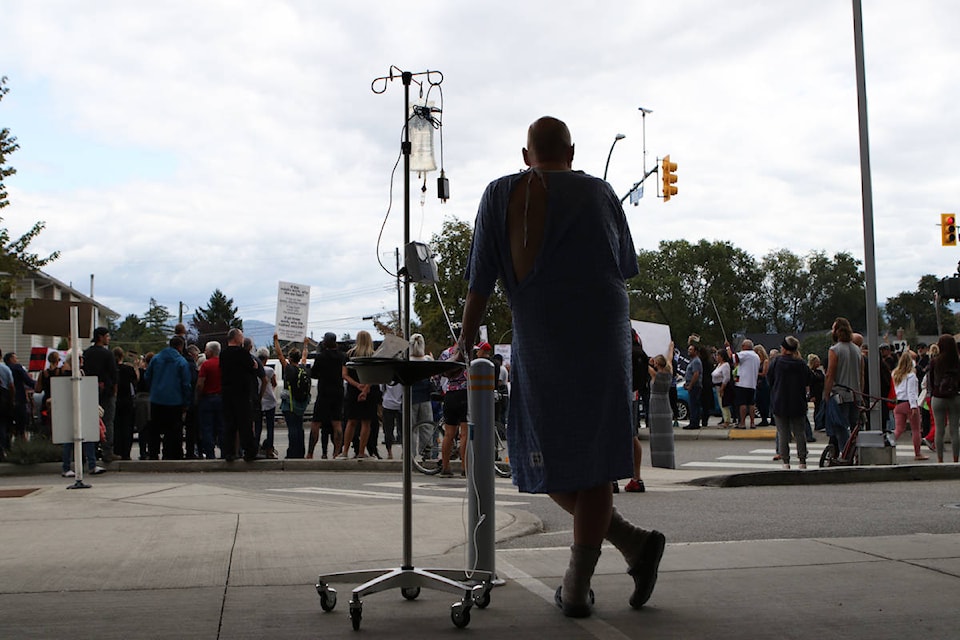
x=908, y=405
x=238, y=374
x=170, y=394
x=294, y=364
x=789, y=376
x=943, y=382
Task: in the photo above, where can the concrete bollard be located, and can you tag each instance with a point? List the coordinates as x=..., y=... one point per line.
x=481, y=551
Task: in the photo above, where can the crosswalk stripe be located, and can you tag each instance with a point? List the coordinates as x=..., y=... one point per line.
x=382, y=495
x=731, y=465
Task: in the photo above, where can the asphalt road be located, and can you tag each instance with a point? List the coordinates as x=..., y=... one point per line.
x=683, y=513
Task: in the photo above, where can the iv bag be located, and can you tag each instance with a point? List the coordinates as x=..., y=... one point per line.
x=421, y=143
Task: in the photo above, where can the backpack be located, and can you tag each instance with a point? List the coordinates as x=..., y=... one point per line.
x=300, y=385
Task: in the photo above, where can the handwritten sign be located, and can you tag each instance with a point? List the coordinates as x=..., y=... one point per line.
x=293, y=310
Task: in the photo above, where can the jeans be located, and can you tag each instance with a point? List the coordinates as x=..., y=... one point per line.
x=851, y=412
x=294, y=435
x=211, y=424
x=694, y=406
x=267, y=416
x=89, y=455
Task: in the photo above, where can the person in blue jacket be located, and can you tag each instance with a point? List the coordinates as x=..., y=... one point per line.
x=169, y=377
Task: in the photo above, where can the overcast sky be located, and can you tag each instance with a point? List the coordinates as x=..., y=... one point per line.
x=176, y=147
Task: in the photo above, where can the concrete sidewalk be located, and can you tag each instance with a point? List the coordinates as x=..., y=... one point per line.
x=148, y=560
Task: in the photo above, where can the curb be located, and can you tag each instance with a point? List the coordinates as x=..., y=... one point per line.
x=832, y=475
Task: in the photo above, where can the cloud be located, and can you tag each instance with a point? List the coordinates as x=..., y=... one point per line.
x=235, y=144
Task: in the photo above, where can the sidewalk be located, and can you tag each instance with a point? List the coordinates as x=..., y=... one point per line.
x=146, y=560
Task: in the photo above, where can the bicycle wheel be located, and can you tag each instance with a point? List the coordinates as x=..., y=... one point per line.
x=501, y=459
x=829, y=456
x=426, y=459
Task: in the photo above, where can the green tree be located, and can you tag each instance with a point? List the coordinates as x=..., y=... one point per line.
x=784, y=286
x=157, y=327
x=129, y=334
x=214, y=321
x=16, y=261
x=836, y=287
x=452, y=249
x=695, y=288
x=916, y=311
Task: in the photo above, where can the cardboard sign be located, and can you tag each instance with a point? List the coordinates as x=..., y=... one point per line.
x=293, y=311
x=52, y=318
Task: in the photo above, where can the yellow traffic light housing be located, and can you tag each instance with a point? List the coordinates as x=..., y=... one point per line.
x=948, y=230
x=669, y=178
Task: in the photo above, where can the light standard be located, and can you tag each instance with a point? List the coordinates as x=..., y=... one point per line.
x=643, y=120
x=617, y=139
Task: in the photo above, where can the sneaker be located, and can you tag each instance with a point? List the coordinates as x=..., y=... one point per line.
x=97, y=471
x=929, y=444
x=446, y=473
x=635, y=486
x=616, y=486
x=68, y=474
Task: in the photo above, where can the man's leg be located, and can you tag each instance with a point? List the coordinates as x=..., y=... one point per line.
x=591, y=510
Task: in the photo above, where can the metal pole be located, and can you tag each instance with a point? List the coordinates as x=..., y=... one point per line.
x=869, y=260
x=407, y=395
x=481, y=526
x=617, y=139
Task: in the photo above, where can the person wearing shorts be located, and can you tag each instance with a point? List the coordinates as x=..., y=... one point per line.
x=454, y=414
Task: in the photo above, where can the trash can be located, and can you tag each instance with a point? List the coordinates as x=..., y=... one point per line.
x=876, y=448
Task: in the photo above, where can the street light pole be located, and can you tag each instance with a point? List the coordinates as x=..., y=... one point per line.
x=643, y=120
x=617, y=139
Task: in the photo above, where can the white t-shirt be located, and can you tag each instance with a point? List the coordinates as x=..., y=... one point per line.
x=721, y=374
x=749, y=367
x=269, y=398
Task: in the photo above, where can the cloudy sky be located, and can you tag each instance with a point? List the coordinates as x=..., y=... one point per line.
x=176, y=147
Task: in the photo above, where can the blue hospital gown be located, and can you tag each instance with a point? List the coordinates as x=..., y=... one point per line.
x=569, y=422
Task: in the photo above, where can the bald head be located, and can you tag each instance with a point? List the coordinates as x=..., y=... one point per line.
x=548, y=145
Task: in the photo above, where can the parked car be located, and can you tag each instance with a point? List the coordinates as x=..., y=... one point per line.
x=683, y=403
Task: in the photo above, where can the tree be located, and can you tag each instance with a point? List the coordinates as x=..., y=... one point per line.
x=836, y=287
x=129, y=334
x=214, y=321
x=15, y=259
x=696, y=287
x=916, y=312
x=452, y=249
x=784, y=285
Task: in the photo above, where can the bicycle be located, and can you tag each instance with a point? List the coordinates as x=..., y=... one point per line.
x=426, y=459
x=850, y=456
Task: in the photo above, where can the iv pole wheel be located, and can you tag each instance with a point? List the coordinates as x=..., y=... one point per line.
x=328, y=597
x=356, y=613
x=460, y=615
x=410, y=593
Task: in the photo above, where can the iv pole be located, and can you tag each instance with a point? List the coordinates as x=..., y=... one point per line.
x=408, y=578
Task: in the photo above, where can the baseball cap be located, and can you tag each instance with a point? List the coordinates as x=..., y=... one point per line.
x=484, y=346
x=329, y=338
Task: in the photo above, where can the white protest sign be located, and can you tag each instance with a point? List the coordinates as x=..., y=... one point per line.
x=293, y=310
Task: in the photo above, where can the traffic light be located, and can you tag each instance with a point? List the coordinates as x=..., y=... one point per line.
x=948, y=230
x=669, y=177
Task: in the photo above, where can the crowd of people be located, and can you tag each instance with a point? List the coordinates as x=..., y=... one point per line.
x=179, y=403
x=755, y=388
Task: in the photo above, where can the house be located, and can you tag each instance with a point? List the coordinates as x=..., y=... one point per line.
x=40, y=286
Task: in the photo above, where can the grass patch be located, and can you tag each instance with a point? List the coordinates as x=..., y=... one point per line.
x=34, y=451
